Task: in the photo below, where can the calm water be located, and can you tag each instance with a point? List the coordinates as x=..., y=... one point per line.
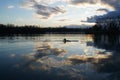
x=48, y=57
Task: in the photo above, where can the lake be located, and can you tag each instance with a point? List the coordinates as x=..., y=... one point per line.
x=60, y=57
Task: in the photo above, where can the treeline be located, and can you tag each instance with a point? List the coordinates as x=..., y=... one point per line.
x=109, y=30
x=12, y=29
x=28, y=29
x=100, y=28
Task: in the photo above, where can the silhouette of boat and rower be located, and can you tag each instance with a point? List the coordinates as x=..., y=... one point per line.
x=65, y=40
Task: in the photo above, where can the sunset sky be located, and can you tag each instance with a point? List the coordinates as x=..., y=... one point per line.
x=53, y=13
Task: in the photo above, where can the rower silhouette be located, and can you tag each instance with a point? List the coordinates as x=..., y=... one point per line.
x=65, y=40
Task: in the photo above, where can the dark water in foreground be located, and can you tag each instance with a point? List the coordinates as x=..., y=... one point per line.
x=47, y=57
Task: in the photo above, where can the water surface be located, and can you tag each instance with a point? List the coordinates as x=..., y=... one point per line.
x=49, y=57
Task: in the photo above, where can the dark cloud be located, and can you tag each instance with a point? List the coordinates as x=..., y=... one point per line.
x=63, y=20
x=43, y=11
x=103, y=9
x=113, y=3
x=76, y=2
x=46, y=11
x=90, y=20
x=111, y=15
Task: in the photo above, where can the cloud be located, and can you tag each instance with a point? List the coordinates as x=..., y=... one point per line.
x=113, y=14
x=78, y=2
x=110, y=15
x=10, y=6
x=90, y=20
x=113, y=3
x=63, y=20
x=43, y=11
x=46, y=11
x=103, y=9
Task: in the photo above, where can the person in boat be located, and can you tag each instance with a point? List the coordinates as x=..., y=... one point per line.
x=65, y=40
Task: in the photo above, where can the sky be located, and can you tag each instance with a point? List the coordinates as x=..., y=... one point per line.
x=55, y=13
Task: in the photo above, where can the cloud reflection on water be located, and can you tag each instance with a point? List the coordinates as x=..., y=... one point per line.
x=92, y=59
x=44, y=55
x=50, y=60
